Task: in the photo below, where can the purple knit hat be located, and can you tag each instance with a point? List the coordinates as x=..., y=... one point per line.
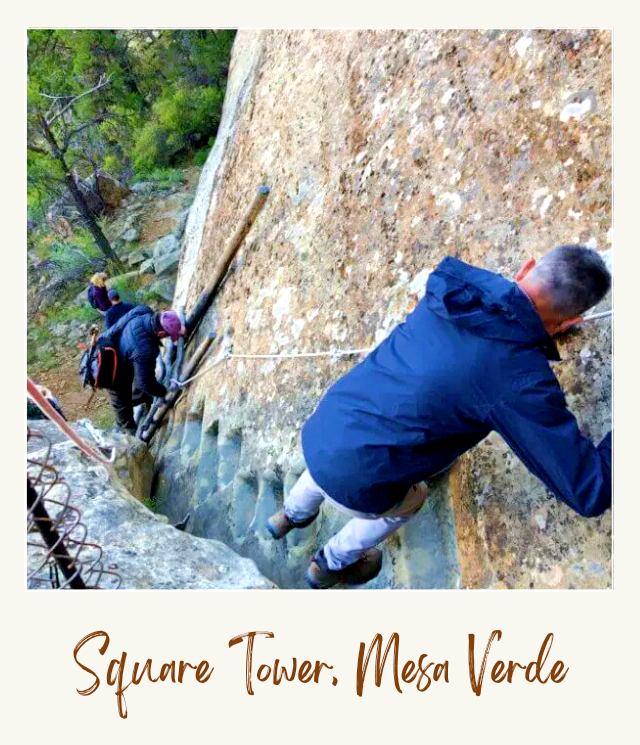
x=170, y=322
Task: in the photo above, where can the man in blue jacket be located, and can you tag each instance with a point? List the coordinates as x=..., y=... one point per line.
x=472, y=357
x=137, y=338
x=117, y=310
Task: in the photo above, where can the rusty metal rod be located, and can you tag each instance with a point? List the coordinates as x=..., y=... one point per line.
x=176, y=368
x=167, y=366
x=151, y=422
x=167, y=357
x=52, y=539
x=233, y=244
x=173, y=395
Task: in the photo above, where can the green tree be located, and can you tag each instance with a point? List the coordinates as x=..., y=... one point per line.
x=61, y=110
x=187, y=95
x=121, y=101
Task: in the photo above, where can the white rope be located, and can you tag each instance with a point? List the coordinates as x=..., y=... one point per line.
x=290, y=355
x=335, y=353
x=594, y=316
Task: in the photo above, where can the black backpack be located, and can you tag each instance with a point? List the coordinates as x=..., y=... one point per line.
x=99, y=364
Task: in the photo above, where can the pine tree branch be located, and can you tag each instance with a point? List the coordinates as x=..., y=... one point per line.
x=72, y=133
x=102, y=82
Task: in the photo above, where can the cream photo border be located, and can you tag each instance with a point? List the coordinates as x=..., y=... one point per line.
x=594, y=631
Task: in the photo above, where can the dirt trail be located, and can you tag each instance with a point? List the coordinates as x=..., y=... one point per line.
x=64, y=382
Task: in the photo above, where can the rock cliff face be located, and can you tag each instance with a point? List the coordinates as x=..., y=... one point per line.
x=386, y=151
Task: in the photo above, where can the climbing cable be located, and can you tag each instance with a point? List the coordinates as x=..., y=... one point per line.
x=595, y=316
x=335, y=353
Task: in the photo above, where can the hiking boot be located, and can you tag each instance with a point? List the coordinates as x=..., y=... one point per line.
x=279, y=524
x=320, y=577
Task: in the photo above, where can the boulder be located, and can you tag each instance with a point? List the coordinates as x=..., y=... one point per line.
x=100, y=193
x=133, y=464
x=167, y=245
x=130, y=235
x=77, y=329
x=138, y=256
x=166, y=263
x=164, y=288
x=415, y=185
x=110, y=189
x=141, y=547
x=181, y=223
x=146, y=266
x=65, y=207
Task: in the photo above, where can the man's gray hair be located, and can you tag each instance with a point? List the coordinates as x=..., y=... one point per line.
x=574, y=277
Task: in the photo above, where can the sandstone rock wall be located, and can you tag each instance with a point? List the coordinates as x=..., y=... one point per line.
x=386, y=151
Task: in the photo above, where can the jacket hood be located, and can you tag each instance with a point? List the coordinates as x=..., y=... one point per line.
x=114, y=331
x=486, y=304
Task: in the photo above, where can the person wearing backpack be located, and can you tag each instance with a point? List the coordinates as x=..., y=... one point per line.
x=136, y=337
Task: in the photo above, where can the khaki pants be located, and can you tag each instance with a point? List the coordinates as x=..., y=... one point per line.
x=364, y=531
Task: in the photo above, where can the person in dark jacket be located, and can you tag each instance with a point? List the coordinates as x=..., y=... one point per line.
x=471, y=358
x=97, y=294
x=117, y=310
x=137, y=337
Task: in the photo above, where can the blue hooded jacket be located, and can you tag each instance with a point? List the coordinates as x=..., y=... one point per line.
x=472, y=357
x=115, y=313
x=136, y=338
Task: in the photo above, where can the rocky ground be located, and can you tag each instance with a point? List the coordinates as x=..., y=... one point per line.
x=124, y=539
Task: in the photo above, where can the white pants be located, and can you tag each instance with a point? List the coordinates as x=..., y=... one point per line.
x=363, y=531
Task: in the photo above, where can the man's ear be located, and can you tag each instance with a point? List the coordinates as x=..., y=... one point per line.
x=569, y=323
x=525, y=269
